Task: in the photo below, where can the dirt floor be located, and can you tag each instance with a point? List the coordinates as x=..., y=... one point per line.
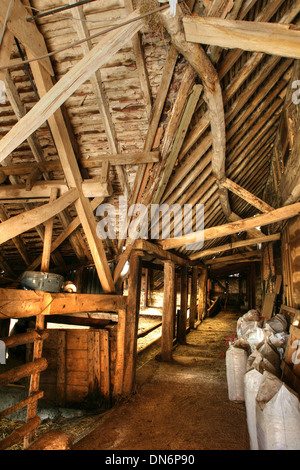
x=182, y=405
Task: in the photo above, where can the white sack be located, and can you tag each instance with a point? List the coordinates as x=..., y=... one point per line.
x=236, y=367
x=277, y=415
x=252, y=380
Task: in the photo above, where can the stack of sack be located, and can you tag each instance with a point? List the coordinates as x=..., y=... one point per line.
x=253, y=376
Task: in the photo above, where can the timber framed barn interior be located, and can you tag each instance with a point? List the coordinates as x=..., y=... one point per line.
x=110, y=108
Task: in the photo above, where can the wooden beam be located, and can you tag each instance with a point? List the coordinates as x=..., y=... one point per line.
x=56, y=95
x=160, y=253
x=16, y=303
x=198, y=59
x=26, y=32
x=182, y=321
x=202, y=300
x=246, y=195
x=68, y=84
x=92, y=188
x=234, y=227
x=132, y=320
x=131, y=158
x=30, y=219
x=233, y=245
x=142, y=173
x=238, y=256
x=193, y=298
x=45, y=263
x=168, y=312
x=270, y=38
x=141, y=65
x=18, y=242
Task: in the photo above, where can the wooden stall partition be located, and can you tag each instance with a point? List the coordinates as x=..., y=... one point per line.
x=290, y=364
x=78, y=366
x=291, y=262
x=30, y=369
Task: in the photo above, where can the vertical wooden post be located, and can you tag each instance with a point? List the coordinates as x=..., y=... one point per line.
x=35, y=378
x=132, y=320
x=193, y=301
x=105, y=366
x=40, y=323
x=61, y=367
x=93, y=354
x=168, y=311
x=183, y=306
x=48, y=237
x=146, y=284
x=202, y=294
x=120, y=358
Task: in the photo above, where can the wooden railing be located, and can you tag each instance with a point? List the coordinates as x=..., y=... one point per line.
x=30, y=369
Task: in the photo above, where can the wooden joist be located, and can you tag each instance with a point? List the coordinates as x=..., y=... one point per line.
x=270, y=38
x=158, y=252
x=234, y=227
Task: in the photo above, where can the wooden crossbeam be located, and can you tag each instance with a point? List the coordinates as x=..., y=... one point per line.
x=234, y=227
x=246, y=195
x=16, y=303
x=181, y=133
x=270, y=38
x=42, y=190
x=100, y=95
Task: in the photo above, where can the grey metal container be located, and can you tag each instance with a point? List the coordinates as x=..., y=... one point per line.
x=47, y=282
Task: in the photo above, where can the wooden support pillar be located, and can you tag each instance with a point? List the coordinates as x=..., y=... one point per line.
x=181, y=335
x=252, y=287
x=193, y=301
x=120, y=358
x=132, y=320
x=146, y=285
x=168, y=311
x=202, y=295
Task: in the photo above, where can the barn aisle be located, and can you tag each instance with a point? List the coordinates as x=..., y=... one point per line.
x=182, y=405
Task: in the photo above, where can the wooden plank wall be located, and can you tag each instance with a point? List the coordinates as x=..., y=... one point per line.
x=80, y=366
x=291, y=263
